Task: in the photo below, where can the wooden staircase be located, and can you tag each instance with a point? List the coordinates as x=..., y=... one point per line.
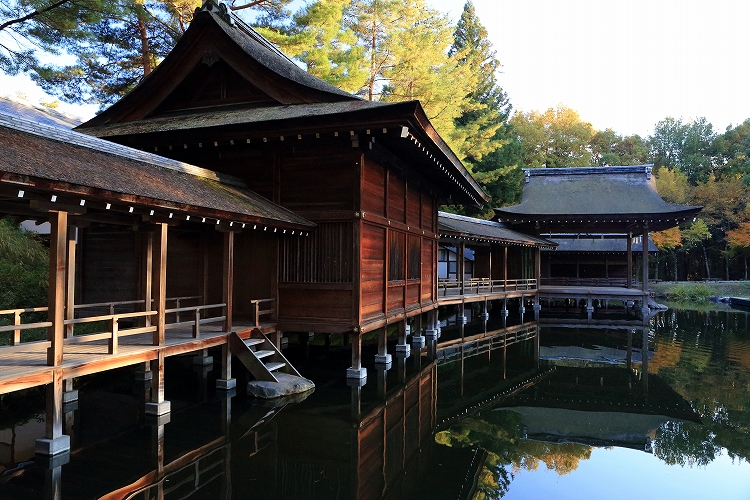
x=260, y=356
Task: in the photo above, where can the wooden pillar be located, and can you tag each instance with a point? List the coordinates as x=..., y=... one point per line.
x=630, y=261
x=226, y=382
x=356, y=371
x=228, y=278
x=383, y=358
x=70, y=291
x=148, y=273
x=159, y=279
x=644, y=259
x=54, y=441
x=505, y=268
x=56, y=297
x=70, y=394
x=460, y=265
x=158, y=406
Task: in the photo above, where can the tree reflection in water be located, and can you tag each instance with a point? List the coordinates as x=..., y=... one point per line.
x=703, y=356
x=500, y=433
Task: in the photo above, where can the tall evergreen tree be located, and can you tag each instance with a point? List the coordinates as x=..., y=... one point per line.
x=318, y=37
x=490, y=144
x=28, y=26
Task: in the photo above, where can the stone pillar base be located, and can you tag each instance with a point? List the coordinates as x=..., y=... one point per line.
x=70, y=396
x=226, y=384
x=158, y=408
x=356, y=373
x=383, y=359
x=51, y=447
x=403, y=349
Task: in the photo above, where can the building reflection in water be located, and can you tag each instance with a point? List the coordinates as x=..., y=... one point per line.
x=445, y=421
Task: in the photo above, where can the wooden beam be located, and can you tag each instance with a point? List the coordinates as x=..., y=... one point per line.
x=630, y=261
x=159, y=289
x=56, y=297
x=71, y=279
x=147, y=270
x=228, y=278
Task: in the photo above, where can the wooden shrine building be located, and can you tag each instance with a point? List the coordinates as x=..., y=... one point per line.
x=601, y=200
x=484, y=260
x=131, y=235
x=591, y=259
x=370, y=175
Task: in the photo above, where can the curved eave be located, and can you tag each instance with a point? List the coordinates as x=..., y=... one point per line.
x=601, y=222
x=114, y=202
x=502, y=241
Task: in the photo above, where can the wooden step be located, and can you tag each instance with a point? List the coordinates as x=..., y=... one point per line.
x=263, y=353
x=274, y=366
x=252, y=341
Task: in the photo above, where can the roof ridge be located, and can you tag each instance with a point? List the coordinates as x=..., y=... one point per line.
x=614, y=169
x=466, y=218
x=61, y=134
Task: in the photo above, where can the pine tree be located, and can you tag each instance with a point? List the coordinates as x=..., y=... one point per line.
x=318, y=38
x=490, y=144
x=423, y=70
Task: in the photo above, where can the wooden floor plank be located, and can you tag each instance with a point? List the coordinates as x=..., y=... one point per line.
x=23, y=368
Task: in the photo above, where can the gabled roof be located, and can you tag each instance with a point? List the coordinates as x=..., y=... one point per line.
x=43, y=158
x=470, y=228
x=593, y=199
x=270, y=97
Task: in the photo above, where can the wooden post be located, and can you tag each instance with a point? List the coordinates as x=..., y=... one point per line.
x=197, y=326
x=630, y=261
x=71, y=280
x=226, y=382
x=159, y=278
x=113, y=341
x=148, y=272
x=505, y=268
x=460, y=266
x=15, y=339
x=56, y=299
x=157, y=406
x=644, y=259
x=54, y=441
x=228, y=279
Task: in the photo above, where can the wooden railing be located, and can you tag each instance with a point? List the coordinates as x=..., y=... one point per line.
x=112, y=319
x=195, y=317
x=604, y=282
x=257, y=312
x=479, y=286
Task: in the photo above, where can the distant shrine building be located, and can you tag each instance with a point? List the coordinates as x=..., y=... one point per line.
x=232, y=197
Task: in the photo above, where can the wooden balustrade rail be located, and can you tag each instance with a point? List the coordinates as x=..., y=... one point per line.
x=257, y=312
x=478, y=286
x=17, y=327
x=196, y=321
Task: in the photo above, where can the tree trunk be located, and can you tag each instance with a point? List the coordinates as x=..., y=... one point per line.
x=745, y=267
x=705, y=259
x=726, y=261
x=675, y=265
x=373, y=46
x=145, y=48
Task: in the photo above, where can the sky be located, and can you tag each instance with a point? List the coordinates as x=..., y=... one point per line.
x=623, y=65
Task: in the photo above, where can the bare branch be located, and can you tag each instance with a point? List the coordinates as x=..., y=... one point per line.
x=247, y=5
x=33, y=14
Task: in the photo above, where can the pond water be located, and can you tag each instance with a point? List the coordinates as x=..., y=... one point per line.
x=561, y=412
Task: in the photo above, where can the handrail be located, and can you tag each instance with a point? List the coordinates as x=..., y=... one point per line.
x=257, y=313
x=478, y=286
x=196, y=320
x=17, y=327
